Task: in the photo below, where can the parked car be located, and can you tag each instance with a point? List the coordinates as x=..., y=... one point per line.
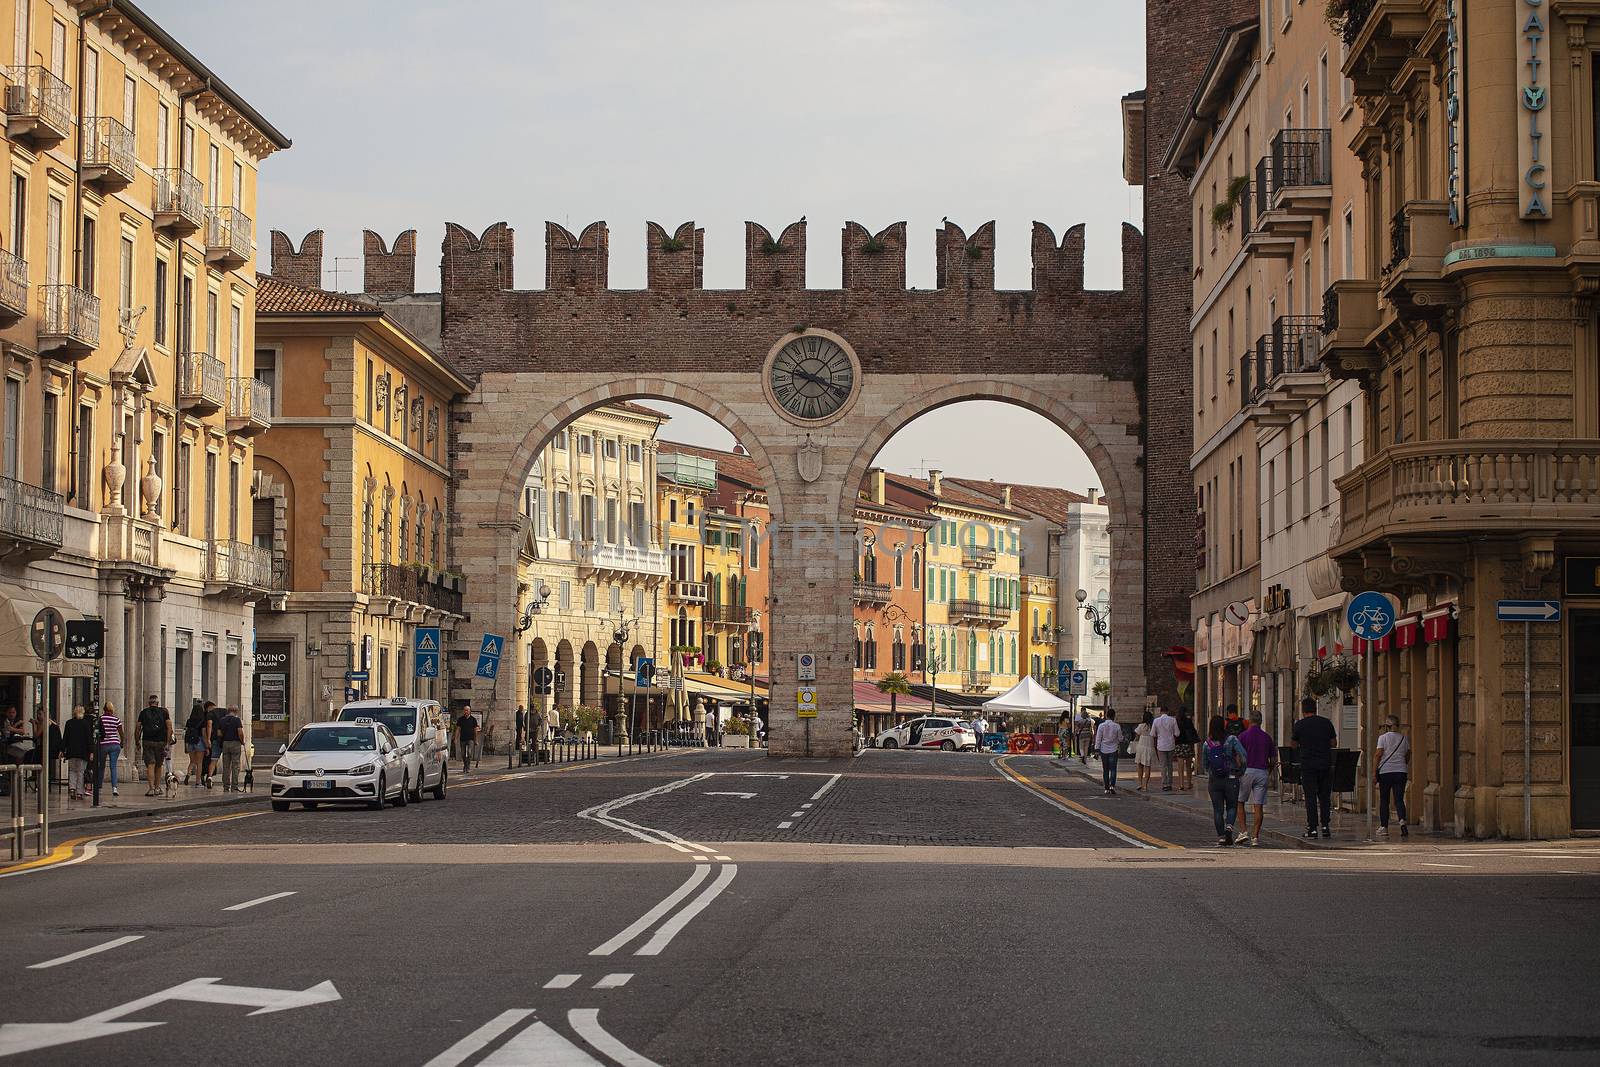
x=424, y=738
x=340, y=763
x=929, y=732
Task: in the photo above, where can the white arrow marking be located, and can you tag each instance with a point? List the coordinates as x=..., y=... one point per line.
x=742, y=796
x=29, y=1037
x=81, y=953
x=211, y=991
x=464, y=1049
x=540, y=1046
x=586, y=1021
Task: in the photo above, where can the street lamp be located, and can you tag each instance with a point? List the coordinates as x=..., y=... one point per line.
x=537, y=599
x=1099, y=618
x=934, y=666
x=620, y=636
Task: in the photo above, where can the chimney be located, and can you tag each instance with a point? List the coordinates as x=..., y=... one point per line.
x=936, y=482
x=1005, y=496
x=878, y=480
x=1094, y=495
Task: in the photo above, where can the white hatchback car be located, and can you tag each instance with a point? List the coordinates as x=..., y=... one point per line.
x=928, y=732
x=424, y=739
x=340, y=763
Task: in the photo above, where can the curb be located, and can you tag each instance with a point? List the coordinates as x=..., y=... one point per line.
x=57, y=826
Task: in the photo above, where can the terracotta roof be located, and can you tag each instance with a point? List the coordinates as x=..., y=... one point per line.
x=1046, y=501
x=274, y=296
x=640, y=409
x=953, y=492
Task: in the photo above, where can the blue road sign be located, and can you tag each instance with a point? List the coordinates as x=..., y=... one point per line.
x=357, y=676
x=351, y=694
x=425, y=651
x=1528, y=611
x=1079, y=683
x=427, y=664
x=489, y=656
x=1064, y=675
x=1370, y=616
x=644, y=673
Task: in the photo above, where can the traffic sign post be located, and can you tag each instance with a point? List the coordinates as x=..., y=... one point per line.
x=425, y=651
x=489, y=656
x=1078, y=683
x=1371, y=618
x=1527, y=612
x=644, y=672
x=49, y=634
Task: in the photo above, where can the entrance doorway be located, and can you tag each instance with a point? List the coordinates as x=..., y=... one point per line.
x=1584, y=635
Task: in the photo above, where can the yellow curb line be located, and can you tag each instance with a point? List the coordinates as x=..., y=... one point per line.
x=63, y=854
x=1079, y=808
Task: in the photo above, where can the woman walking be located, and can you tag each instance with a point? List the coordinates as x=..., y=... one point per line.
x=196, y=741
x=110, y=742
x=1225, y=760
x=1393, y=766
x=1144, y=749
x=1188, y=737
x=77, y=746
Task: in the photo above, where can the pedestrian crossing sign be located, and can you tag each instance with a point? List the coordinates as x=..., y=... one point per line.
x=491, y=646
x=426, y=640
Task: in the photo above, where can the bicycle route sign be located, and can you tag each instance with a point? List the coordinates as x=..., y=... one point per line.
x=1370, y=615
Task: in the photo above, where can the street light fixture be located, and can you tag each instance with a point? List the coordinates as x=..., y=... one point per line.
x=620, y=636
x=1099, y=618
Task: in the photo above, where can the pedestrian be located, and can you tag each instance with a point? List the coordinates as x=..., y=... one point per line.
x=1260, y=754
x=1144, y=749
x=1234, y=724
x=213, y=761
x=196, y=741
x=1165, y=729
x=1108, y=742
x=232, y=730
x=1188, y=737
x=1225, y=758
x=1064, y=734
x=1393, y=764
x=77, y=746
x=1313, y=738
x=152, y=734
x=110, y=742
x=1084, y=726
x=466, y=737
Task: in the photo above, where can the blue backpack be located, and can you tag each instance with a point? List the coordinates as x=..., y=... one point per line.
x=1220, y=760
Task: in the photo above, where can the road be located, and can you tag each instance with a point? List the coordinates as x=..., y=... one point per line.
x=725, y=908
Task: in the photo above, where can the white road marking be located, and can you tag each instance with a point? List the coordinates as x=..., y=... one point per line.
x=761, y=774
x=260, y=900
x=613, y=981
x=742, y=796
x=804, y=806
x=601, y=813
x=1456, y=866
x=562, y=981
x=80, y=954
x=649, y=918
x=698, y=859
x=723, y=859
x=785, y=825
x=829, y=785
x=586, y=1023
x=670, y=929
x=464, y=1049
x=539, y=1046
x=212, y=991
x=797, y=815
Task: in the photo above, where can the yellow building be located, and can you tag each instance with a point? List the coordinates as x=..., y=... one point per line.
x=351, y=498
x=683, y=482
x=127, y=299
x=1039, y=632
x=727, y=607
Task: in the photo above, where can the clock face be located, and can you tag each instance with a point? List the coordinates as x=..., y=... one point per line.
x=812, y=378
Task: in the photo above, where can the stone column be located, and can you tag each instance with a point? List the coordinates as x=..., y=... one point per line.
x=113, y=682
x=150, y=665
x=812, y=568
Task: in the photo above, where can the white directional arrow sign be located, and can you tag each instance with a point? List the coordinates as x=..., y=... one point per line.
x=1528, y=610
x=26, y=1037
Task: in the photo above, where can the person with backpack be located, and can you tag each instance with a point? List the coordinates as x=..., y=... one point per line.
x=196, y=739
x=1392, y=767
x=213, y=759
x=1224, y=760
x=153, y=732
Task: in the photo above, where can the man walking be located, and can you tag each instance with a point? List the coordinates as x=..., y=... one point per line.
x=1313, y=738
x=232, y=730
x=1108, y=742
x=1259, y=756
x=1165, y=728
x=213, y=761
x=466, y=737
x=154, y=727
x=1084, y=726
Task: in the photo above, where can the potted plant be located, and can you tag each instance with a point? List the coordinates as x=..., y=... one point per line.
x=735, y=733
x=713, y=666
x=586, y=720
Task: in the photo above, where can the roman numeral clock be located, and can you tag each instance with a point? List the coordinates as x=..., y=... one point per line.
x=811, y=377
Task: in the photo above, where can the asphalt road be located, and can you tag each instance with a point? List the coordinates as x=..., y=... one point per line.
x=724, y=908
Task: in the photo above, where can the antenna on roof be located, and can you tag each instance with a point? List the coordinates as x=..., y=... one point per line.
x=337, y=269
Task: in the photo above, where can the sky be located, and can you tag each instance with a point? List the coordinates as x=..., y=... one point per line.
x=411, y=113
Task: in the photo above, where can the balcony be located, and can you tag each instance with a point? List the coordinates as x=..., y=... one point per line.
x=202, y=383
x=249, y=406
x=726, y=615
x=622, y=560
x=1419, y=237
x=110, y=161
x=876, y=593
x=1256, y=239
x=411, y=586
x=976, y=681
x=228, y=244
x=687, y=592
x=38, y=108
x=236, y=567
x=1430, y=487
x=13, y=288
x=1300, y=173
x=1349, y=317
x=978, y=613
x=30, y=519
x=978, y=557
x=179, y=206
x=1284, y=376
x=1380, y=35
x=69, y=321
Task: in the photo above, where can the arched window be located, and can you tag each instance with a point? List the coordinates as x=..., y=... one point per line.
x=438, y=534
x=872, y=649
x=368, y=502
x=858, y=648
x=916, y=569
x=869, y=564
x=899, y=566
x=405, y=526
x=897, y=651
x=422, y=540
x=1036, y=620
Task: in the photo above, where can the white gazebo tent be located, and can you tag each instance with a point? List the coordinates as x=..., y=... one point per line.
x=1027, y=697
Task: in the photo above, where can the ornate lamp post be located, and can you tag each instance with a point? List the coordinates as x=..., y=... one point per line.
x=537, y=599
x=1099, y=619
x=620, y=636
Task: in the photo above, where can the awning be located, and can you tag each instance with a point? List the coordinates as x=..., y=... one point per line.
x=722, y=688
x=18, y=605
x=869, y=698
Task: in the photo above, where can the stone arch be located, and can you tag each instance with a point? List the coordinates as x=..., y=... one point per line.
x=538, y=656
x=589, y=676
x=566, y=668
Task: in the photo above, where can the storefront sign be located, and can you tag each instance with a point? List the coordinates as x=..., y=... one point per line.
x=272, y=681
x=1455, y=104
x=1500, y=251
x=1533, y=96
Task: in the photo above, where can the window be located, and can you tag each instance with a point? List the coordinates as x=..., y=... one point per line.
x=372, y=382
x=635, y=454
x=588, y=516
x=210, y=502
x=9, y=461
x=158, y=455
x=213, y=313
x=238, y=184
x=214, y=174
x=235, y=338
x=233, y=500
x=58, y=49
x=160, y=312
x=86, y=269
x=585, y=445
x=1305, y=476
x=916, y=570
x=186, y=148
x=124, y=275
x=163, y=136
x=180, y=487
x=610, y=448
x=588, y=598
x=48, y=429
x=753, y=548
x=52, y=241
x=899, y=567
x=613, y=532
x=616, y=600
x=638, y=603
x=19, y=43
x=1396, y=398
x=672, y=511
x=559, y=440
x=267, y=374
x=19, y=216
x=1326, y=465
x=566, y=596
x=82, y=485
x=563, y=514
x=1271, y=494
x=186, y=313
x=1322, y=91
x=130, y=97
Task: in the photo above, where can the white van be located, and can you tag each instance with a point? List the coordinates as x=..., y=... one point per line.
x=424, y=736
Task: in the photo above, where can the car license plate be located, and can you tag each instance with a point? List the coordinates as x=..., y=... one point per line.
x=319, y=783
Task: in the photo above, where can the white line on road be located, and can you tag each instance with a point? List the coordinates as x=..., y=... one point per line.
x=464, y=1049
x=744, y=796
x=672, y=926
x=829, y=785
x=1455, y=866
x=613, y=981
x=586, y=1023
x=601, y=813
x=562, y=981
x=797, y=815
x=649, y=918
x=539, y=1046
x=785, y=825
x=59, y=960
x=260, y=900
x=723, y=859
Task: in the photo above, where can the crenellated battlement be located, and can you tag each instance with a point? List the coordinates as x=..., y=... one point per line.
x=965, y=262
x=582, y=262
x=303, y=267
x=387, y=272
x=873, y=261
x=477, y=264
x=674, y=261
x=775, y=264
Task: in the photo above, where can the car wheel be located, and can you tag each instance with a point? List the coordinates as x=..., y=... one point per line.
x=280, y=805
x=376, y=803
x=948, y=746
x=402, y=798
x=889, y=742
x=309, y=805
x=438, y=790
x=416, y=794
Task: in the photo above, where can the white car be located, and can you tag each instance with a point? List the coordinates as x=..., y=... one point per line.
x=340, y=763
x=929, y=732
x=424, y=739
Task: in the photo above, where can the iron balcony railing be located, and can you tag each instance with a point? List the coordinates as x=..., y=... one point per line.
x=13, y=285
x=399, y=581
x=35, y=93
x=1399, y=240
x=726, y=614
x=240, y=565
x=228, y=235
x=281, y=568
x=1291, y=348
x=871, y=592
x=977, y=679
x=68, y=317
x=30, y=513
x=250, y=402
x=202, y=381
x=1297, y=159
x=179, y=202
x=978, y=555
x=109, y=149
x=978, y=611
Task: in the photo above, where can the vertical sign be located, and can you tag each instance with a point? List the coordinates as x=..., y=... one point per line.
x=425, y=651
x=1455, y=120
x=489, y=656
x=1533, y=96
x=272, y=681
